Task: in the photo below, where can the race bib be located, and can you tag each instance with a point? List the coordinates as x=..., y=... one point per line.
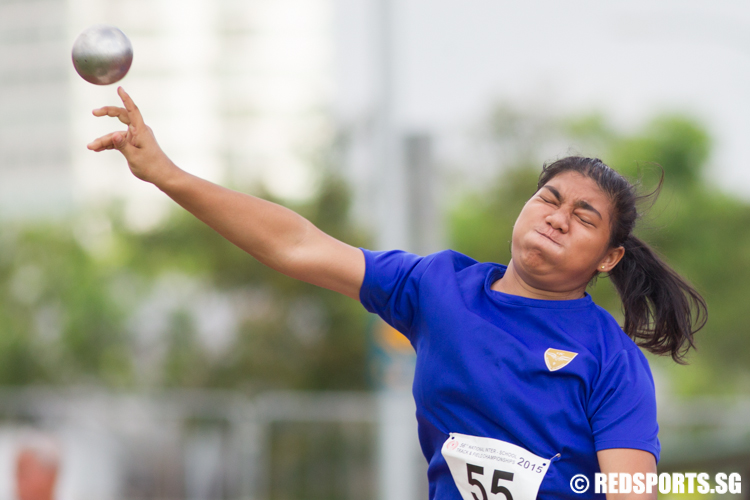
x=490, y=469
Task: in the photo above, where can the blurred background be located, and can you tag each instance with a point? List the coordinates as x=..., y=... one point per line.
x=142, y=357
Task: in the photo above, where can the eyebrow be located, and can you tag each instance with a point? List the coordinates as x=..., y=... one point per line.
x=579, y=204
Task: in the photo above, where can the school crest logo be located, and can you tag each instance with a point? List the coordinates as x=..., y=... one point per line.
x=556, y=358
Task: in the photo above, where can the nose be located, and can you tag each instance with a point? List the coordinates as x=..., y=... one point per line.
x=558, y=220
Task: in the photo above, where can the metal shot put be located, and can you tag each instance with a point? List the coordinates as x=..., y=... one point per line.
x=102, y=54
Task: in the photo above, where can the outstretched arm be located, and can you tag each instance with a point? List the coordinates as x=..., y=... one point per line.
x=276, y=236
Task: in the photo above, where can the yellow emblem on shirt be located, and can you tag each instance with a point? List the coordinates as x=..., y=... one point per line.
x=557, y=358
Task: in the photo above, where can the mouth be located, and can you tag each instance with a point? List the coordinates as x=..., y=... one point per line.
x=549, y=238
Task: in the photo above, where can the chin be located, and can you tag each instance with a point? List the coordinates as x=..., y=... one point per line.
x=535, y=262
x=537, y=248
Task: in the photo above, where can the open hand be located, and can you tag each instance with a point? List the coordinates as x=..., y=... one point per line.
x=137, y=144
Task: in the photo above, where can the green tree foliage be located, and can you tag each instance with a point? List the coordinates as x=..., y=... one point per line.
x=88, y=300
x=701, y=232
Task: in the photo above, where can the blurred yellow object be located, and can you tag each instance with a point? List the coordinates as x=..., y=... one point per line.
x=392, y=340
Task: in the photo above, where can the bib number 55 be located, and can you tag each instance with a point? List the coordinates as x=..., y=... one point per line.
x=497, y=476
x=490, y=469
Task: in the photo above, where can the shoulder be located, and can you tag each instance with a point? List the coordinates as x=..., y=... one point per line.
x=446, y=260
x=451, y=268
x=397, y=284
x=458, y=260
x=441, y=273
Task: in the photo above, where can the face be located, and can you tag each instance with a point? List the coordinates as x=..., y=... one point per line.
x=561, y=237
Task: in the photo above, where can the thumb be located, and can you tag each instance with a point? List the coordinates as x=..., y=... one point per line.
x=118, y=140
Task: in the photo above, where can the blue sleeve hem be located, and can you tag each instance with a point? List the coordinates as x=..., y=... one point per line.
x=625, y=443
x=363, y=295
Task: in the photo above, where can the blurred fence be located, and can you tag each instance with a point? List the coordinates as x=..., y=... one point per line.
x=199, y=445
x=209, y=445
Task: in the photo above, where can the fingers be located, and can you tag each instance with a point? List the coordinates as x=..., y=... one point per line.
x=115, y=140
x=133, y=111
x=115, y=112
x=130, y=116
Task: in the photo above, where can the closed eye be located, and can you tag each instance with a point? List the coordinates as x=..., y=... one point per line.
x=546, y=200
x=584, y=221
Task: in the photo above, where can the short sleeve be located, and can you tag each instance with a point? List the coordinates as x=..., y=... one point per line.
x=391, y=287
x=622, y=408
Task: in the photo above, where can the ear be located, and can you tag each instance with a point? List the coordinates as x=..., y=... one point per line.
x=611, y=259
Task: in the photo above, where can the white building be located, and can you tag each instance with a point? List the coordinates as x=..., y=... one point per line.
x=244, y=90
x=35, y=118
x=236, y=91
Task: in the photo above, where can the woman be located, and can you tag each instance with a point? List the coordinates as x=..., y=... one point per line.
x=522, y=382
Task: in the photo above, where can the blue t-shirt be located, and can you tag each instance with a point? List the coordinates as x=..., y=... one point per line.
x=481, y=367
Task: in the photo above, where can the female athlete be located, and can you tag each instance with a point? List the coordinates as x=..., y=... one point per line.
x=524, y=387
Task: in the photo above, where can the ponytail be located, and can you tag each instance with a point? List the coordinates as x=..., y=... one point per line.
x=660, y=306
x=662, y=310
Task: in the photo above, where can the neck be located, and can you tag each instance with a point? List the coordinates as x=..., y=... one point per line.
x=513, y=283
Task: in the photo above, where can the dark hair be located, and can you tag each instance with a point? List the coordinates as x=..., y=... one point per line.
x=662, y=310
